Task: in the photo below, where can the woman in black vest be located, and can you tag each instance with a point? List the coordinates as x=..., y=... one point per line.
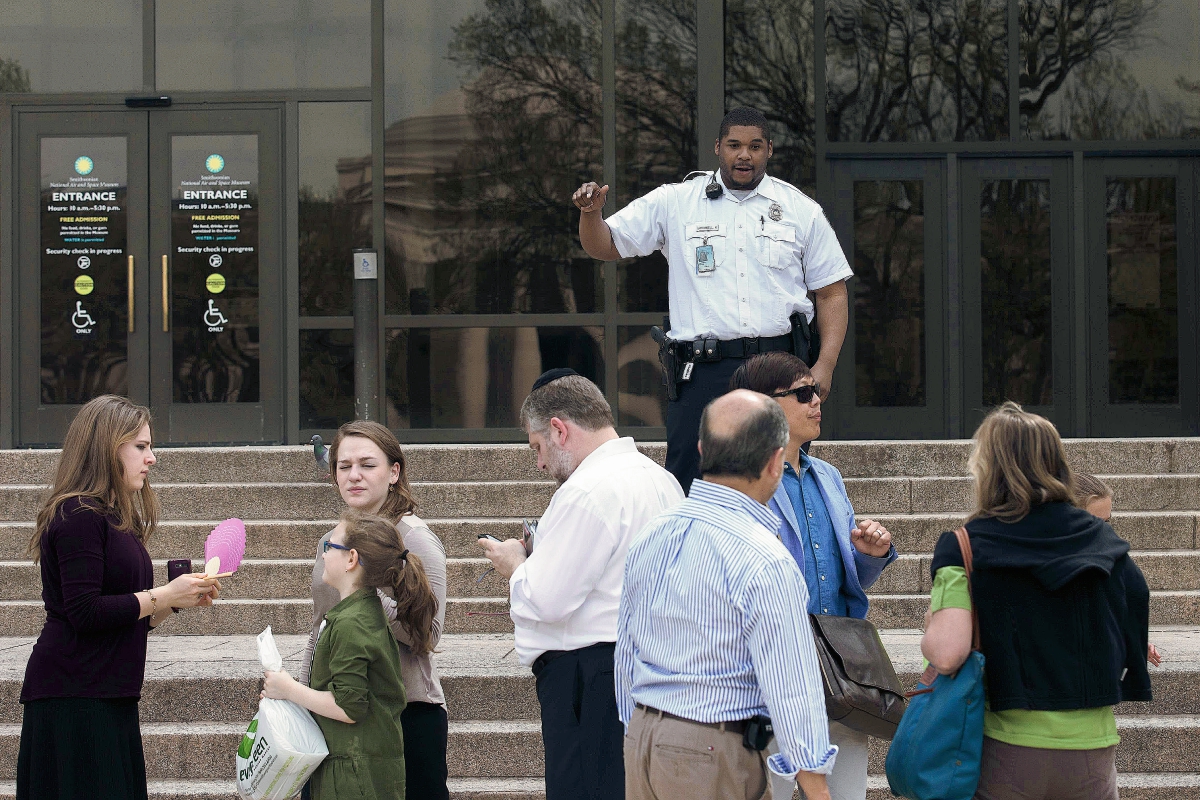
x=1063, y=618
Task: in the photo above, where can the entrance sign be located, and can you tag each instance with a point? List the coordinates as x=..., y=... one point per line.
x=83, y=224
x=214, y=223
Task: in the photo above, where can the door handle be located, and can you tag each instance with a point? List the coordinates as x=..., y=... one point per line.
x=164, y=293
x=130, y=282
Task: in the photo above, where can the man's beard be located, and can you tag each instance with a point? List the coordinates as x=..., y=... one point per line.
x=560, y=464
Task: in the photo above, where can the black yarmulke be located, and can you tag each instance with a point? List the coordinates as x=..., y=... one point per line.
x=552, y=375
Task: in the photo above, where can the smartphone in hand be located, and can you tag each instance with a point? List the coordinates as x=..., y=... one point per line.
x=177, y=567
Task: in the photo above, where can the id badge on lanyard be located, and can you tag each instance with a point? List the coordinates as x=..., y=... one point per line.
x=706, y=260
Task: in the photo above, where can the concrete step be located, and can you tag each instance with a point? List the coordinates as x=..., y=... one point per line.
x=490, y=499
x=268, y=538
x=216, y=677
x=308, y=501
x=1133, y=786
x=454, y=461
x=181, y=751
x=256, y=578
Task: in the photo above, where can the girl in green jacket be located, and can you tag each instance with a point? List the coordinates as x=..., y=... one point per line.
x=356, y=693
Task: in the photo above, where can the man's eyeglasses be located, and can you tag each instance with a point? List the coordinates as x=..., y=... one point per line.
x=328, y=544
x=803, y=393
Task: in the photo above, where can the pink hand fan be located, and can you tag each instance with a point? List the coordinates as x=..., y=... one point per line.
x=224, y=548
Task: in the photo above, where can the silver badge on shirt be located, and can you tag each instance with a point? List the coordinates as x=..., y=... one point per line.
x=775, y=212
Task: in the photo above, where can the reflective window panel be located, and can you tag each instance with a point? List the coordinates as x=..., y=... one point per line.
x=916, y=70
x=70, y=45
x=656, y=124
x=889, y=293
x=478, y=377
x=642, y=398
x=1143, y=291
x=1110, y=70
x=493, y=119
x=1015, y=286
x=214, y=268
x=85, y=269
x=326, y=378
x=225, y=45
x=335, y=202
x=769, y=66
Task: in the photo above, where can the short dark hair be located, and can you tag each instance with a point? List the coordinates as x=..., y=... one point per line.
x=751, y=117
x=573, y=398
x=769, y=372
x=749, y=446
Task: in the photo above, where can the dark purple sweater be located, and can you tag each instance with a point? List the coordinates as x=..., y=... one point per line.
x=93, y=644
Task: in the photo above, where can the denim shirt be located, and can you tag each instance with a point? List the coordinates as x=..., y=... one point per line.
x=817, y=548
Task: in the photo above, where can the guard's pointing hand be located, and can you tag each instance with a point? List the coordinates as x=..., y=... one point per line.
x=590, y=197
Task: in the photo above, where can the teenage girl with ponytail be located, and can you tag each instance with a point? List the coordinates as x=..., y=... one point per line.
x=370, y=473
x=355, y=687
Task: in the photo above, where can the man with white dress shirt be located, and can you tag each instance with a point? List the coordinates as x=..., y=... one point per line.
x=713, y=636
x=564, y=595
x=744, y=251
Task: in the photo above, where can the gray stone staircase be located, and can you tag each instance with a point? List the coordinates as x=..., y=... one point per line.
x=202, y=672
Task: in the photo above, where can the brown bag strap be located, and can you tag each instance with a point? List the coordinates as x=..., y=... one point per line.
x=964, y=546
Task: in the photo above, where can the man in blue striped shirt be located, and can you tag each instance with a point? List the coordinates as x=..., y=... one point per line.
x=712, y=630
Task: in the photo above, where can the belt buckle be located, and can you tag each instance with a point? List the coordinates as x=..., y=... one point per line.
x=751, y=346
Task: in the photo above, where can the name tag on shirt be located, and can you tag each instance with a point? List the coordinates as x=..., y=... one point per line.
x=706, y=261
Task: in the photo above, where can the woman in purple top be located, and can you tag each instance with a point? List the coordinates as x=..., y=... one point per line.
x=80, y=736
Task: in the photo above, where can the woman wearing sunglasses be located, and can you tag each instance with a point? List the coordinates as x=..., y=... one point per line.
x=369, y=470
x=840, y=558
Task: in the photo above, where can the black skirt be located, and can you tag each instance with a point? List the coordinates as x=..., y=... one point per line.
x=81, y=748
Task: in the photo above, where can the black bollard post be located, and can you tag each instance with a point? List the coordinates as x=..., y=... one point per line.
x=366, y=335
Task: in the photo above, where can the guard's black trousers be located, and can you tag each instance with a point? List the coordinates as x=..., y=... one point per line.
x=709, y=381
x=581, y=731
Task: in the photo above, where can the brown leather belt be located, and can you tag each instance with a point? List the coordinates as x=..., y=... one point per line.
x=737, y=726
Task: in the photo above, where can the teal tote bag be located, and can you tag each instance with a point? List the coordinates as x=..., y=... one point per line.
x=936, y=752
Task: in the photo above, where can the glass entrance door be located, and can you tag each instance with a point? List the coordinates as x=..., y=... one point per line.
x=150, y=267
x=890, y=219
x=1142, y=296
x=1016, y=287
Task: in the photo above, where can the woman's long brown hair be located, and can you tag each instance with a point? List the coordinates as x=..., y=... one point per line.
x=90, y=468
x=1018, y=462
x=388, y=565
x=399, y=500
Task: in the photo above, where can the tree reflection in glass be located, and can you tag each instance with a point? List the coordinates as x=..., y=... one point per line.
x=916, y=70
x=889, y=293
x=1143, y=291
x=769, y=66
x=1109, y=69
x=1014, y=226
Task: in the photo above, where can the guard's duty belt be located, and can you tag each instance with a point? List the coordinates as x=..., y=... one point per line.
x=717, y=349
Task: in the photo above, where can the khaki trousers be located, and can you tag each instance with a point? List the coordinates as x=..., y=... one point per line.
x=1010, y=772
x=670, y=759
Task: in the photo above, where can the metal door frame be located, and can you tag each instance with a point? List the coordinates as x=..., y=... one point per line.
x=899, y=422
x=148, y=156
x=1136, y=419
x=973, y=172
x=38, y=424
x=194, y=423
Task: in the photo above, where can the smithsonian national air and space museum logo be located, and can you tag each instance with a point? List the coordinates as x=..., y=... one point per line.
x=84, y=165
x=214, y=163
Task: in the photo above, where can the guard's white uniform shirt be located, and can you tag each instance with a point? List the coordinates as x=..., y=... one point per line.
x=764, y=268
x=566, y=594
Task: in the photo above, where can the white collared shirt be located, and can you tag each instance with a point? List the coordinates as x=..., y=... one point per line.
x=566, y=594
x=764, y=267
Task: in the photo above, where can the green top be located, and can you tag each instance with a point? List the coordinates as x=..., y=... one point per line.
x=357, y=659
x=1081, y=729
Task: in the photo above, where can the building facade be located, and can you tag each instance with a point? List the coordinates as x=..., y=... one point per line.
x=182, y=184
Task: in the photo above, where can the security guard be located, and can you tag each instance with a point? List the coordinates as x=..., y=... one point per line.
x=744, y=249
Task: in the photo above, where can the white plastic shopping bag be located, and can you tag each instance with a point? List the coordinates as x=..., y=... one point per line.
x=283, y=744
